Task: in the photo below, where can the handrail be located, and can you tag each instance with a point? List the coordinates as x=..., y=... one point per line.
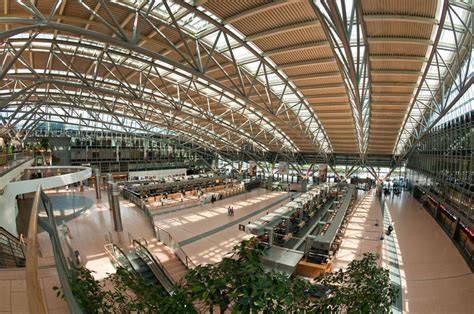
x=185, y=259
x=144, y=240
x=112, y=249
x=6, y=233
x=10, y=161
x=62, y=265
x=15, y=245
x=36, y=301
x=153, y=262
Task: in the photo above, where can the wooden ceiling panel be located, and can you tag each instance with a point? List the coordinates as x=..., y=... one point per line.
x=274, y=18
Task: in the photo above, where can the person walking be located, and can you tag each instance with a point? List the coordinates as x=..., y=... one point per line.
x=390, y=228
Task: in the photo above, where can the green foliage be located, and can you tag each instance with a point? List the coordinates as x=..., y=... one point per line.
x=124, y=292
x=362, y=287
x=88, y=292
x=240, y=284
x=44, y=143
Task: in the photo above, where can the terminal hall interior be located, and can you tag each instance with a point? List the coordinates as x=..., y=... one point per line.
x=233, y=156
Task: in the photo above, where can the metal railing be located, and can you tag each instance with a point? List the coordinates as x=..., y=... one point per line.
x=155, y=265
x=11, y=250
x=36, y=299
x=13, y=160
x=162, y=235
x=117, y=256
x=167, y=239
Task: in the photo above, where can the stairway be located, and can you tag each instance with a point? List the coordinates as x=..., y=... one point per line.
x=169, y=260
x=142, y=268
x=11, y=250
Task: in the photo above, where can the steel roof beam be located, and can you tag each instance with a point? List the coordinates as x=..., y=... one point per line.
x=398, y=58
x=286, y=66
x=400, y=18
x=321, y=143
x=400, y=40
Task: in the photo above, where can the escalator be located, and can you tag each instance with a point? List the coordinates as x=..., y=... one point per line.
x=156, y=268
x=142, y=262
x=11, y=250
x=141, y=268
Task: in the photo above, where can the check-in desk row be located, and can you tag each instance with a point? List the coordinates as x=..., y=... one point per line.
x=151, y=188
x=281, y=225
x=320, y=245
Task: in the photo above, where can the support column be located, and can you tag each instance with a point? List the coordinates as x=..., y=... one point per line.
x=454, y=235
x=114, y=193
x=269, y=183
x=97, y=183
x=304, y=185
x=110, y=181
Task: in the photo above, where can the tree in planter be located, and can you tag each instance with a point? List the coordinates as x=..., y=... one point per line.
x=124, y=292
x=361, y=288
x=240, y=284
x=44, y=144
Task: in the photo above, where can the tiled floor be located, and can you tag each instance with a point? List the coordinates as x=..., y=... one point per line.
x=361, y=235
x=88, y=231
x=435, y=278
x=433, y=275
x=220, y=230
x=13, y=296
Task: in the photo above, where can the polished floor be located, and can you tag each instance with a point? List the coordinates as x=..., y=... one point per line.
x=362, y=234
x=434, y=276
x=207, y=233
x=421, y=259
x=13, y=295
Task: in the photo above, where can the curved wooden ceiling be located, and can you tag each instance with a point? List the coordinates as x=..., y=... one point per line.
x=263, y=72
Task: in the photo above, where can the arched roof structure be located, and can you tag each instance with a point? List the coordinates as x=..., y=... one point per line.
x=350, y=78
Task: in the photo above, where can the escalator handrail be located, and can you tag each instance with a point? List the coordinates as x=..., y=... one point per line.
x=111, y=248
x=170, y=283
x=140, y=247
x=175, y=247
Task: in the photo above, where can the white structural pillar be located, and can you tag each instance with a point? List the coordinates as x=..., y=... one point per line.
x=97, y=183
x=114, y=192
x=110, y=180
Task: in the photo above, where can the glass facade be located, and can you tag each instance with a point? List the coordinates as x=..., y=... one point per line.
x=442, y=164
x=118, y=152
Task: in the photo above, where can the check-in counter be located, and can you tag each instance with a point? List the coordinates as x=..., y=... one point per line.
x=263, y=228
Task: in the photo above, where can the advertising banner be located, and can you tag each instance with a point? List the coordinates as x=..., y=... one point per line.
x=323, y=173
x=252, y=168
x=283, y=167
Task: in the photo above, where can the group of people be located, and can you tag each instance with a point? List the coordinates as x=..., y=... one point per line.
x=215, y=198
x=230, y=211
